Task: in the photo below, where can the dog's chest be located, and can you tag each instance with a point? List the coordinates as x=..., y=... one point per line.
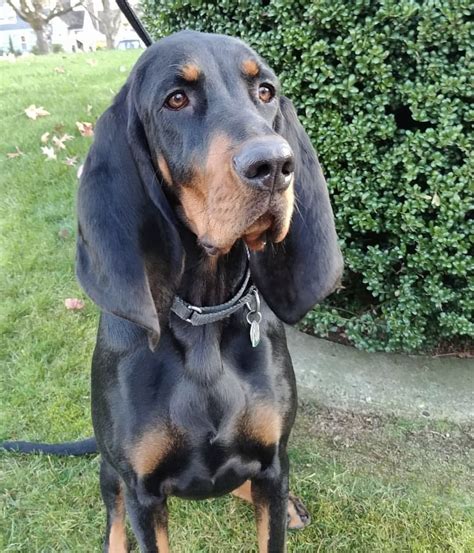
x=209, y=443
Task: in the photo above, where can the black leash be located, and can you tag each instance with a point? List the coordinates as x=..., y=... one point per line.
x=137, y=25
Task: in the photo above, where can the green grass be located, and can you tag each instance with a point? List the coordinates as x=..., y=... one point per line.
x=371, y=484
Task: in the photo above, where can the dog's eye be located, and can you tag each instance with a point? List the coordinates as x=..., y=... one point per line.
x=266, y=93
x=177, y=100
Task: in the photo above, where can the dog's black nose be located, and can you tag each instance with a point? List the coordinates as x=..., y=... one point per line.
x=265, y=163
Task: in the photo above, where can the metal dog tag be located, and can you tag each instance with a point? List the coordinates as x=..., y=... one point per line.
x=254, y=318
x=254, y=333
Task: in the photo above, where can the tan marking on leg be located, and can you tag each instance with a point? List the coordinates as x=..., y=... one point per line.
x=262, y=424
x=117, y=535
x=250, y=68
x=162, y=542
x=118, y=538
x=150, y=449
x=263, y=527
x=165, y=170
x=190, y=72
x=294, y=521
x=244, y=491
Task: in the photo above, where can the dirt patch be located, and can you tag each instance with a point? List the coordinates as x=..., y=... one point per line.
x=347, y=429
x=432, y=451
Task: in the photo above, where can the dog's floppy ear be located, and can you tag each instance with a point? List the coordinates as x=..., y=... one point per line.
x=306, y=266
x=124, y=227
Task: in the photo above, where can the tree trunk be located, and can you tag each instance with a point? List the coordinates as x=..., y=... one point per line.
x=41, y=41
x=111, y=22
x=109, y=40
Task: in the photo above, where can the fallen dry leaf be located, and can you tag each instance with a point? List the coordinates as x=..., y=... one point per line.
x=92, y=63
x=85, y=128
x=45, y=137
x=59, y=69
x=64, y=233
x=89, y=109
x=59, y=142
x=123, y=69
x=34, y=112
x=74, y=303
x=71, y=161
x=18, y=153
x=48, y=151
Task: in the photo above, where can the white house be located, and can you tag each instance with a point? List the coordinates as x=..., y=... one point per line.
x=75, y=31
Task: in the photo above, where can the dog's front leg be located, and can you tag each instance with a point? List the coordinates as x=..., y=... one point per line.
x=111, y=487
x=149, y=524
x=270, y=498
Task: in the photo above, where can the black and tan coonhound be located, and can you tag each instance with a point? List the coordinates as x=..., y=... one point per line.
x=204, y=221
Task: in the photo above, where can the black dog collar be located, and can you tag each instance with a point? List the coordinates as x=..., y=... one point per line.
x=247, y=296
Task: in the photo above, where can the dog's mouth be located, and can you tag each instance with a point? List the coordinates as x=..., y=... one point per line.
x=221, y=207
x=271, y=226
x=256, y=237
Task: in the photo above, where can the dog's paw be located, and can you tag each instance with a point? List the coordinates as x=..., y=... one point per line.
x=298, y=515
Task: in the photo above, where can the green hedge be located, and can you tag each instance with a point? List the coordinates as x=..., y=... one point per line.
x=383, y=88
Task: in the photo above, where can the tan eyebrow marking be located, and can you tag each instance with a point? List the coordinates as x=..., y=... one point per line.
x=250, y=68
x=190, y=72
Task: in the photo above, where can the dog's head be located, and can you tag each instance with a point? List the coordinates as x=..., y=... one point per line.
x=200, y=134
x=209, y=106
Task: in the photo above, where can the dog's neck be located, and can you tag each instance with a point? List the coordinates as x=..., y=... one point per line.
x=206, y=281
x=209, y=280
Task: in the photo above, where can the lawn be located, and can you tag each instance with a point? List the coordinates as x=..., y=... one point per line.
x=372, y=484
